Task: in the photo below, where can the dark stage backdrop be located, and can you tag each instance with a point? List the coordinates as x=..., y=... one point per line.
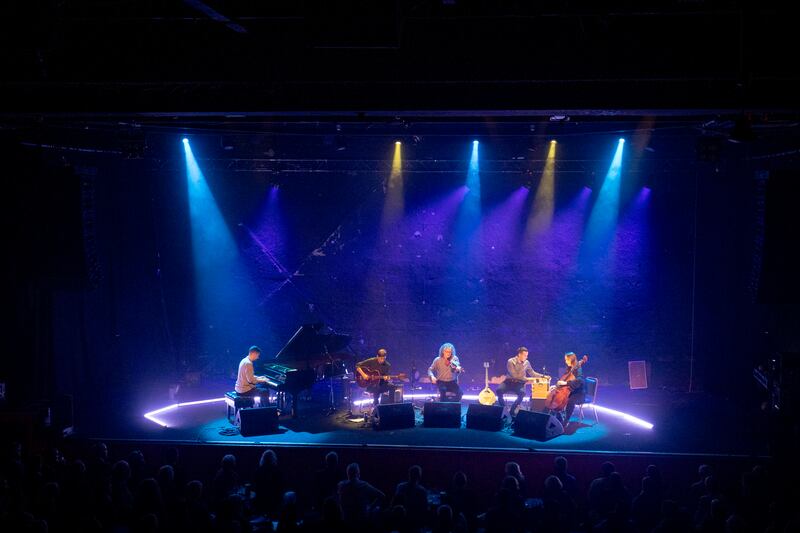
x=321, y=247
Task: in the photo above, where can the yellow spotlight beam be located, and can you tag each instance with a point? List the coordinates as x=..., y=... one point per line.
x=393, y=205
x=541, y=215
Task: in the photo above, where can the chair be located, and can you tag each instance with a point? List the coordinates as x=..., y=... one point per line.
x=234, y=402
x=590, y=394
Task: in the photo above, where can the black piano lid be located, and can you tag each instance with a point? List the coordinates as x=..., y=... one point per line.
x=312, y=342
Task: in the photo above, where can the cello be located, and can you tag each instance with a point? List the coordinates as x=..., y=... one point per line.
x=558, y=397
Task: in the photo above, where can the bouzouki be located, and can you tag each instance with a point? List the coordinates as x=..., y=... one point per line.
x=558, y=397
x=375, y=376
x=487, y=395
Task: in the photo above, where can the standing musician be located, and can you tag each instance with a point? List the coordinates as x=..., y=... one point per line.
x=518, y=369
x=444, y=372
x=576, y=389
x=381, y=365
x=246, y=380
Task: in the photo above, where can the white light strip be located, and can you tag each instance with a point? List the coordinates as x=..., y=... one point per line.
x=630, y=418
x=151, y=415
x=625, y=416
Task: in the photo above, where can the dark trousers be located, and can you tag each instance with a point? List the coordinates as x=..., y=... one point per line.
x=451, y=387
x=511, y=385
x=379, y=389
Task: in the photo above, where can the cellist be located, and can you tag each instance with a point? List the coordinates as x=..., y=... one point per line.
x=572, y=378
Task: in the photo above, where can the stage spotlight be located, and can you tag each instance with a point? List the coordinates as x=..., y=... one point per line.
x=398, y=143
x=553, y=141
x=185, y=140
x=475, y=142
x=621, y=140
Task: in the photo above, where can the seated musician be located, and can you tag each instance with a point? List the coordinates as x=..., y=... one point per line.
x=376, y=366
x=518, y=369
x=246, y=380
x=444, y=372
x=576, y=389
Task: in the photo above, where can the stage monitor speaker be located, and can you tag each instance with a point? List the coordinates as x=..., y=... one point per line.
x=637, y=374
x=484, y=417
x=395, y=416
x=441, y=415
x=537, y=426
x=258, y=421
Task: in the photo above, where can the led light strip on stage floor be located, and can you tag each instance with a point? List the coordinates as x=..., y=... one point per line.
x=151, y=416
x=625, y=416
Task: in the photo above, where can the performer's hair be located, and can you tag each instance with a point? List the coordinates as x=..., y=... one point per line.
x=521, y=349
x=447, y=345
x=382, y=352
x=571, y=357
x=254, y=348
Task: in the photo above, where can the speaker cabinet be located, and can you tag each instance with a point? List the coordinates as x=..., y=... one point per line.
x=637, y=374
x=538, y=426
x=442, y=415
x=395, y=416
x=258, y=421
x=484, y=417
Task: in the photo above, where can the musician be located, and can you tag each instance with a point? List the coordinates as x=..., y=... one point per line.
x=576, y=386
x=444, y=372
x=518, y=369
x=381, y=365
x=246, y=380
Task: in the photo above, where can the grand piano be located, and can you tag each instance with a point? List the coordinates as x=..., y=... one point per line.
x=313, y=352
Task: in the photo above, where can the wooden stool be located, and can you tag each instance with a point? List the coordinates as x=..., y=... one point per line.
x=234, y=402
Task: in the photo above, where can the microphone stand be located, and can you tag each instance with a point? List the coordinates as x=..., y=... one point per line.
x=332, y=404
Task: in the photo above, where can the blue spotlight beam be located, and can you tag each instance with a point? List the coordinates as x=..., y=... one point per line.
x=603, y=218
x=222, y=284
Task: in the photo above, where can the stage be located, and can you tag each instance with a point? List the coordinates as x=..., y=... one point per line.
x=628, y=421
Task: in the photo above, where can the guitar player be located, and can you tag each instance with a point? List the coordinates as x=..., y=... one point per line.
x=380, y=365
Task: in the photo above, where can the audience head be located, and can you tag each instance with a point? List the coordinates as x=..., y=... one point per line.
x=268, y=458
x=136, y=460
x=194, y=491
x=704, y=471
x=99, y=451
x=121, y=472
x=510, y=483
x=166, y=475
x=512, y=469
x=649, y=485
x=553, y=485
x=460, y=479
x=353, y=471
x=444, y=515
x=607, y=468
x=332, y=460
x=653, y=471
x=228, y=462
x=560, y=464
x=415, y=474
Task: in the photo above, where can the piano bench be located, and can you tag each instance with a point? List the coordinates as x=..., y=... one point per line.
x=234, y=402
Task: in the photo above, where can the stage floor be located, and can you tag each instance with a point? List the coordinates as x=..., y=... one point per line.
x=681, y=423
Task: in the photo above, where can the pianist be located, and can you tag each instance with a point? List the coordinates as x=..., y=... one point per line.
x=246, y=380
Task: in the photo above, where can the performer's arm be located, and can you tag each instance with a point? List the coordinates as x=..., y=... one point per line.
x=360, y=370
x=250, y=376
x=430, y=371
x=529, y=371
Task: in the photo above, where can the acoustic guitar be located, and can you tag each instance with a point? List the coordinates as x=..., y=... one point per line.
x=487, y=395
x=375, y=376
